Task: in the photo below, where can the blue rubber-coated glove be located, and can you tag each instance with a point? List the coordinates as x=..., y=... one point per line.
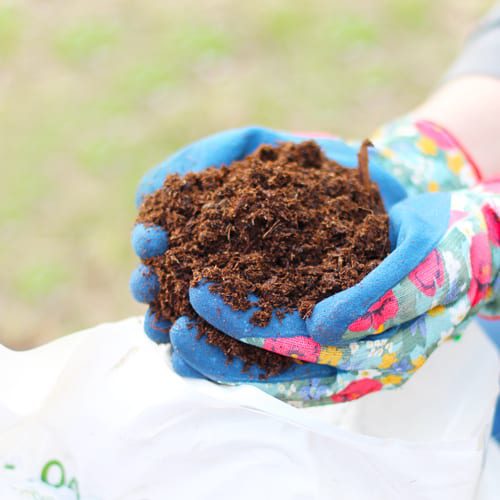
x=150, y=241
x=412, y=228
x=195, y=358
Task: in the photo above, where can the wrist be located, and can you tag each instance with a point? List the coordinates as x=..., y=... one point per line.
x=468, y=107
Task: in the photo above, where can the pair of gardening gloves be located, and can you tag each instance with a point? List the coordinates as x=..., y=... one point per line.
x=443, y=269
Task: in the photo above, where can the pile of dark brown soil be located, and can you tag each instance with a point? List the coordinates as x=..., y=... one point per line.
x=285, y=224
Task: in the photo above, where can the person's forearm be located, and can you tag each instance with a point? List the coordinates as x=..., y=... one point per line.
x=469, y=108
x=468, y=103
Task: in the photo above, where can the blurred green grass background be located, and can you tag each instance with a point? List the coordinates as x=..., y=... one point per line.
x=93, y=93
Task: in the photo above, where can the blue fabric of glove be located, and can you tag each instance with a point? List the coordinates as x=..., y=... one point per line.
x=196, y=358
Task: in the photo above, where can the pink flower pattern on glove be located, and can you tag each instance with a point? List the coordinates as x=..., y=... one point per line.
x=436, y=133
x=492, y=223
x=357, y=389
x=455, y=216
x=428, y=276
x=300, y=347
x=385, y=308
x=480, y=259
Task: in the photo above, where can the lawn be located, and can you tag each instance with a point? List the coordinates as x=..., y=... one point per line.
x=94, y=93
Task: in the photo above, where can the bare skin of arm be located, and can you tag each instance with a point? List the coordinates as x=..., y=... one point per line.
x=469, y=107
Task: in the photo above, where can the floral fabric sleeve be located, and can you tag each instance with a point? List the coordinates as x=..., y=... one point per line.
x=424, y=157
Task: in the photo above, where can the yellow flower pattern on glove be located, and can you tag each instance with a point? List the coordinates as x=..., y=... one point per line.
x=391, y=379
x=427, y=146
x=455, y=162
x=330, y=355
x=388, y=360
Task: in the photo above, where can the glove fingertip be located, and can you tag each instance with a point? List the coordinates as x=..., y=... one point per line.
x=157, y=329
x=144, y=284
x=149, y=241
x=151, y=182
x=238, y=324
x=182, y=368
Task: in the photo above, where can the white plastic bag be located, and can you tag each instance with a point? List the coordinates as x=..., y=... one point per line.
x=101, y=415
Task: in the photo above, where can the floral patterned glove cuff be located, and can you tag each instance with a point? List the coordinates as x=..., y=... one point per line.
x=424, y=157
x=490, y=209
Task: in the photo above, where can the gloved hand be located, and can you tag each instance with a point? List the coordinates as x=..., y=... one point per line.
x=151, y=241
x=388, y=371
x=445, y=290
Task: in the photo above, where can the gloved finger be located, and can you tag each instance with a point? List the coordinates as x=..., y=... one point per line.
x=237, y=324
x=210, y=361
x=149, y=241
x=156, y=328
x=315, y=388
x=144, y=284
x=182, y=368
x=300, y=391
